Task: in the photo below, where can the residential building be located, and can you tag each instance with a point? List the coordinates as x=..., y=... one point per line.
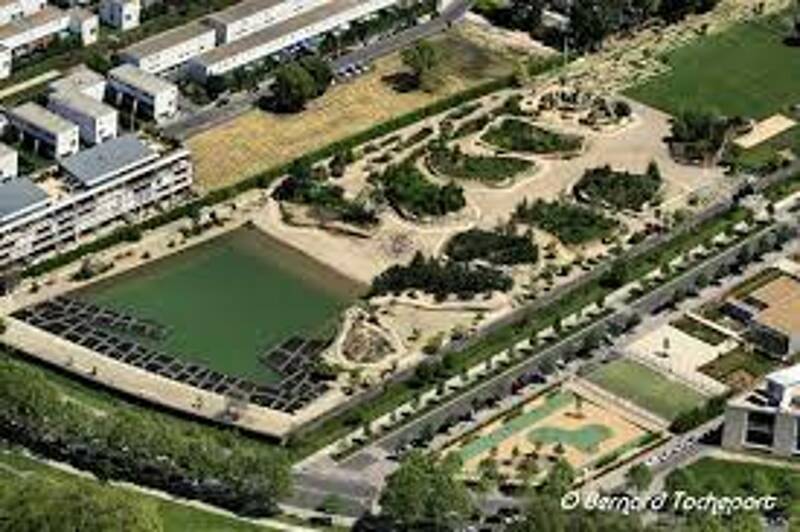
x=9, y=162
x=47, y=132
x=11, y=10
x=772, y=314
x=85, y=25
x=121, y=14
x=84, y=80
x=285, y=34
x=123, y=178
x=170, y=49
x=766, y=419
x=131, y=88
x=251, y=16
x=97, y=122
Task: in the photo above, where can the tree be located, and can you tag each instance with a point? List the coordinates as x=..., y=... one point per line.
x=559, y=479
x=422, y=59
x=293, y=88
x=640, y=477
x=425, y=493
x=320, y=71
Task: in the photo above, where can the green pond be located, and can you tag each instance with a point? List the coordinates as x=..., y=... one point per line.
x=227, y=300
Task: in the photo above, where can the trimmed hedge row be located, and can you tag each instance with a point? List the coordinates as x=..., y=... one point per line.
x=263, y=180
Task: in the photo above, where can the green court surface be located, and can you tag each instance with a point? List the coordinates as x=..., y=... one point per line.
x=585, y=439
x=483, y=444
x=646, y=388
x=747, y=70
x=227, y=300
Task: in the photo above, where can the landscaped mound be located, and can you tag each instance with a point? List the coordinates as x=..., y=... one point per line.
x=606, y=187
x=513, y=134
x=454, y=163
x=570, y=223
x=408, y=191
x=497, y=247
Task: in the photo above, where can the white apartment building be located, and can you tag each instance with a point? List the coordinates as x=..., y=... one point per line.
x=252, y=16
x=121, y=178
x=9, y=162
x=97, y=122
x=277, y=37
x=170, y=49
x=84, y=24
x=11, y=10
x=49, y=134
x=142, y=93
x=121, y=14
x=84, y=80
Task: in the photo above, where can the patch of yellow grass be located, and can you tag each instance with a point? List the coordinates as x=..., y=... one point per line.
x=257, y=140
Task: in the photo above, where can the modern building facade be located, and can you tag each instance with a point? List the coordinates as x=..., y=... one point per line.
x=119, y=179
x=143, y=93
x=121, y=14
x=96, y=121
x=171, y=49
x=9, y=162
x=768, y=418
x=251, y=16
x=46, y=132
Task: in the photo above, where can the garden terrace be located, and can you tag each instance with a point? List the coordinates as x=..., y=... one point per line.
x=620, y=190
x=572, y=224
x=513, y=134
x=440, y=279
x=130, y=340
x=408, y=191
x=497, y=247
x=453, y=163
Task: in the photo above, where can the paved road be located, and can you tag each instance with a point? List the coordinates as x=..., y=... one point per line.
x=195, y=120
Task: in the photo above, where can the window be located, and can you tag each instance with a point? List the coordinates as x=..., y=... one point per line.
x=760, y=429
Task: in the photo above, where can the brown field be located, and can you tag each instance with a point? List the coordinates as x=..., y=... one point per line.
x=258, y=140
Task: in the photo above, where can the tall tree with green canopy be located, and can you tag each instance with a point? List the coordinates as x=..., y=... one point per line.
x=293, y=88
x=422, y=59
x=425, y=492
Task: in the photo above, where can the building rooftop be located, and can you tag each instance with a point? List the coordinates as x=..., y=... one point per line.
x=39, y=117
x=79, y=78
x=82, y=103
x=168, y=39
x=23, y=25
x=94, y=166
x=243, y=10
x=141, y=80
x=6, y=150
x=275, y=32
x=787, y=377
x=781, y=301
x=19, y=195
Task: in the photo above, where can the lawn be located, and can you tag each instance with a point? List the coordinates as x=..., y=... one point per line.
x=258, y=140
x=175, y=517
x=745, y=71
x=699, y=330
x=728, y=368
x=227, y=300
x=646, y=388
x=766, y=156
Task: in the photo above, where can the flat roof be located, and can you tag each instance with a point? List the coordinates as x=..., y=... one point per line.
x=140, y=79
x=93, y=166
x=18, y=195
x=78, y=78
x=25, y=24
x=272, y=33
x=782, y=300
x=168, y=39
x=786, y=377
x=243, y=10
x=39, y=117
x=82, y=103
x=6, y=150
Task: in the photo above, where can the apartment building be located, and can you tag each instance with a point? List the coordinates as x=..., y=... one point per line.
x=251, y=16
x=11, y=10
x=9, y=162
x=47, y=132
x=142, y=93
x=96, y=121
x=292, y=31
x=121, y=14
x=84, y=80
x=766, y=419
x=772, y=315
x=119, y=179
x=170, y=49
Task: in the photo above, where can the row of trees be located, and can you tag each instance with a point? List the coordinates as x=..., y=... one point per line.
x=502, y=246
x=440, y=278
x=34, y=504
x=140, y=446
x=606, y=187
x=571, y=223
